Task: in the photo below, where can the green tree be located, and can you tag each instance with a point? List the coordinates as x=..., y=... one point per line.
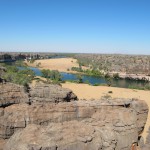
x=116, y=75
x=53, y=75
x=22, y=77
x=46, y=73
x=79, y=77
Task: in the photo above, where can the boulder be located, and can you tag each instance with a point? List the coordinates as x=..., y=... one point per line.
x=51, y=93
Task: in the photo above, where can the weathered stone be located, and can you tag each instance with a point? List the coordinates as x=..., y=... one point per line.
x=12, y=94
x=51, y=93
x=56, y=121
x=119, y=130
x=146, y=146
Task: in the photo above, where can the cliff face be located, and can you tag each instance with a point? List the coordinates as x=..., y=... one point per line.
x=54, y=120
x=12, y=94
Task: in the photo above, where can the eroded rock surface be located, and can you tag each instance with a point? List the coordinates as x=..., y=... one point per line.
x=146, y=146
x=12, y=94
x=51, y=93
x=56, y=121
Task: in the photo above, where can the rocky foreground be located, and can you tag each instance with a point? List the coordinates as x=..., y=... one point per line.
x=49, y=117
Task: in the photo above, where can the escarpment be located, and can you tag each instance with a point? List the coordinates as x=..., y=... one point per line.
x=55, y=120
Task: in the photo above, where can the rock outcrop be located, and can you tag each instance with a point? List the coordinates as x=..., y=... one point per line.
x=51, y=93
x=54, y=120
x=146, y=146
x=12, y=94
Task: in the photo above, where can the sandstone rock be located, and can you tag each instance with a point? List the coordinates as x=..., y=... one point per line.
x=110, y=124
x=51, y=93
x=48, y=137
x=56, y=121
x=146, y=146
x=2, y=143
x=12, y=94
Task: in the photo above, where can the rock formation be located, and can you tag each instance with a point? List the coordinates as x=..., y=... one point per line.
x=51, y=93
x=12, y=94
x=54, y=120
x=146, y=146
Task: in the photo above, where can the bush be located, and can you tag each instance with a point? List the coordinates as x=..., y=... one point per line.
x=79, y=77
x=53, y=75
x=38, y=65
x=46, y=73
x=78, y=69
x=116, y=76
x=20, y=63
x=96, y=84
x=22, y=77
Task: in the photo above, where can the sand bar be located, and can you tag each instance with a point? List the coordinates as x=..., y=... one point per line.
x=60, y=64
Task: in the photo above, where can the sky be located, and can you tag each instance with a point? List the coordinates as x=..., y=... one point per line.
x=85, y=26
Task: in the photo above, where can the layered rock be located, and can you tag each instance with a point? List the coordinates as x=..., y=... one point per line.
x=12, y=94
x=146, y=146
x=51, y=93
x=56, y=121
x=114, y=122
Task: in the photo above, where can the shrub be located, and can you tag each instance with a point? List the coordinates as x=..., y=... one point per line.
x=78, y=69
x=79, y=77
x=116, y=75
x=22, y=77
x=53, y=75
x=96, y=84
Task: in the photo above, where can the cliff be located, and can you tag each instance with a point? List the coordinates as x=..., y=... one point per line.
x=48, y=117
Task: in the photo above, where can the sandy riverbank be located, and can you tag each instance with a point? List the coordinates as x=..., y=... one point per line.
x=85, y=91
x=60, y=64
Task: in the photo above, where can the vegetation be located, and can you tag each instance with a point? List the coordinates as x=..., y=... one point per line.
x=96, y=84
x=146, y=87
x=20, y=63
x=14, y=75
x=78, y=69
x=31, y=60
x=51, y=75
x=38, y=65
x=93, y=72
x=131, y=64
x=116, y=76
x=79, y=78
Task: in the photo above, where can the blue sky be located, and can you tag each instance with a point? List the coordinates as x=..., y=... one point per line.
x=93, y=26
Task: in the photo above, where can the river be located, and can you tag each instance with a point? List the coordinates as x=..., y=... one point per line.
x=93, y=80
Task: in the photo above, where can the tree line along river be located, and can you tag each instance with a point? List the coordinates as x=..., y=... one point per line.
x=95, y=80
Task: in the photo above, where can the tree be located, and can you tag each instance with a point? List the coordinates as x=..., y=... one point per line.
x=116, y=76
x=53, y=75
x=108, y=79
x=22, y=77
x=79, y=77
x=46, y=73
